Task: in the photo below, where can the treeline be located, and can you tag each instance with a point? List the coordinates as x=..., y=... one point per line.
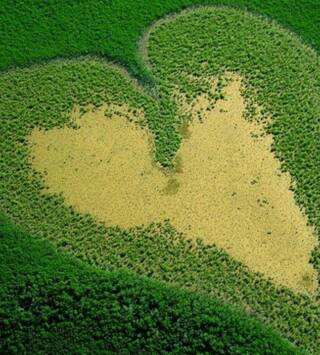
x=37, y=30
x=51, y=303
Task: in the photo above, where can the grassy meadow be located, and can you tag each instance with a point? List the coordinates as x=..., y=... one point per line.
x=169, y=64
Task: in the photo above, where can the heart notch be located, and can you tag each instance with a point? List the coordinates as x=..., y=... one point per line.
x=228, y=189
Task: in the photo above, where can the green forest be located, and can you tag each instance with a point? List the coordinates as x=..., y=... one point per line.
x=76, y=284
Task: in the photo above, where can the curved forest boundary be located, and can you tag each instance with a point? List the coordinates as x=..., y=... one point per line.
x=53, y=303
x=34, y=30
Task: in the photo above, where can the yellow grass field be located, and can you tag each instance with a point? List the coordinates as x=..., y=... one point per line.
x=227, y=188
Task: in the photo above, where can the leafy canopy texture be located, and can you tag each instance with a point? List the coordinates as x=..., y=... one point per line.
x=282, y=76
x=52, y=303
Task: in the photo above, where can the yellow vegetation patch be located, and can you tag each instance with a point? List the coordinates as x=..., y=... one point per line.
x=228, y=189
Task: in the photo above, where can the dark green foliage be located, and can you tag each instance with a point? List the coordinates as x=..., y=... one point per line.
x=50, y=303
x=284, y=75
x=33, y=30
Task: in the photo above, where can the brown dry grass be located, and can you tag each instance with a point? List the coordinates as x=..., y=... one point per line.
x=228, y=189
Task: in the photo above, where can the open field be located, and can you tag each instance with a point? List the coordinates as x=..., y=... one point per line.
x=207, y=179
x=228, y=183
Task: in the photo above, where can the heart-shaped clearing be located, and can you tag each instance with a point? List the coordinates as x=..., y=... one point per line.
x=227, y=190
